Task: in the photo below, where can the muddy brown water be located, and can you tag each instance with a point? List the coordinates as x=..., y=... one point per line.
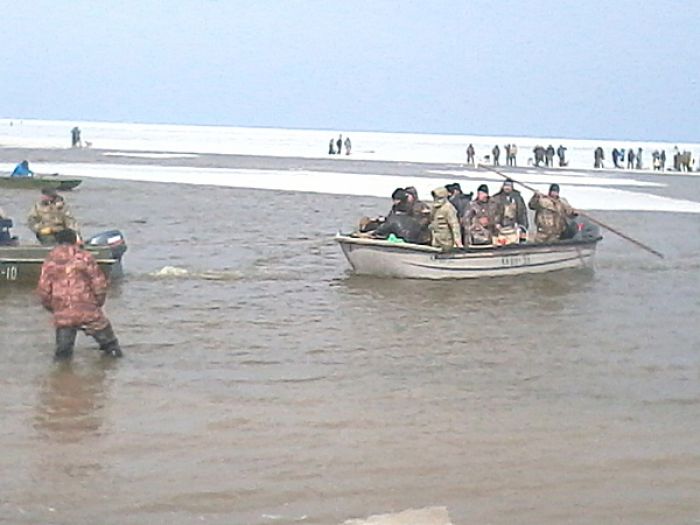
x=263, y=383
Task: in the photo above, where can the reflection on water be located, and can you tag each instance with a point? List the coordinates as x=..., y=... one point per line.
x=71, y=402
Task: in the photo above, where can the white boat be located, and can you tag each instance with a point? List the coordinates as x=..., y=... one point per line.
x=413, y=261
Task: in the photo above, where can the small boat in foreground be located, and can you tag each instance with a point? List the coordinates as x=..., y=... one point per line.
x=55, y=182
x=413, y=261
x=21, y=264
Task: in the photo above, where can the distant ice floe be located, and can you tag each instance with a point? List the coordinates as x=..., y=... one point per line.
x=425, y=516
x=150, y=155
x=589, y=193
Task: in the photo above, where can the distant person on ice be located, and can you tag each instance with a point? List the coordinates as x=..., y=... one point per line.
x=22, y=170
x=470, y=155
x=331, y=148
x=348, y=145
x=75, y=137
x=561, y=153
x=339, y=145
x=599, y=157
x=496, y=152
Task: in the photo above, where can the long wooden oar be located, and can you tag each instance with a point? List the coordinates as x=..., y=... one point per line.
x=593, y=220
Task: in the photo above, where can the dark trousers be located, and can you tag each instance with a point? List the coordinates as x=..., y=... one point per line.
x=65, y=341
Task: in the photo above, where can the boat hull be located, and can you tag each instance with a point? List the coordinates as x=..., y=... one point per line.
x=22, y=264
x=29, y=183
x=387, y=259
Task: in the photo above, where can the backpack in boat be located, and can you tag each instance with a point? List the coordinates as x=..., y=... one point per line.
x=479, y=236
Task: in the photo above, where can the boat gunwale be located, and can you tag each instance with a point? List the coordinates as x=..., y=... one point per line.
x=485, y=251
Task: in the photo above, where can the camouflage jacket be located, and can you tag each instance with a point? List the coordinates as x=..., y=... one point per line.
x=73, y=288
x=445, y=226
x=489, y=209
x=550, y=216
x=54, y=215
x=513, y=207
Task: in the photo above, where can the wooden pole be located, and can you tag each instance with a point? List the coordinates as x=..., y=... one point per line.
x=592, y=219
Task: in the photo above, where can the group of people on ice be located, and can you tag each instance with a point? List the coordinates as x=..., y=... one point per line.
x=335, y=146
x=455, y=219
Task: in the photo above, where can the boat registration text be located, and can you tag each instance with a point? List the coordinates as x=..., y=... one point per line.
x=9, y=272
x=515, y=260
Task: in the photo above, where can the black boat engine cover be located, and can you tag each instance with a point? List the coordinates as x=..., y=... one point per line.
x=584, y=230
x=114, y=239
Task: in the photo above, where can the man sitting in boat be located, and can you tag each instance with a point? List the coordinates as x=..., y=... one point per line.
x=49, y=215
x=22, y=170
x=420, y=211
x=399, y=223
x=551, y=214
x=483, y=218
x=368, y=224
x=514, y=222
x=445, y=227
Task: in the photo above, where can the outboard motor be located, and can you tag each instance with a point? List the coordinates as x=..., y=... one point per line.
x=6, y=237
x=113, y=239
x=584, y=230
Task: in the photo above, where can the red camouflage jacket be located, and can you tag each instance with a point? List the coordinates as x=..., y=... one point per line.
x=73, y=288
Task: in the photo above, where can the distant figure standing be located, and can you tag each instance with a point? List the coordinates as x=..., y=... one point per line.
x=506, y=150
x=639, y=159
x=75, y=137
x=339, y=145
x=549, y=156
x=630, y=159
x=496, y=154
x=599, y=157
x=662, y=159
x=348, y=145
x=616, y=157
x=470, y=155
x=513, y=155
x=538, y=151
x=655, y=161
x=331, y=148
x=74, y=290
x=561, y=153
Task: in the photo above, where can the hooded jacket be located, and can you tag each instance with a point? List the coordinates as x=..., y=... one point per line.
x=444, y=223
x=73, y=288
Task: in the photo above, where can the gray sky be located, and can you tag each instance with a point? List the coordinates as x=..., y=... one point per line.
x=580, y=69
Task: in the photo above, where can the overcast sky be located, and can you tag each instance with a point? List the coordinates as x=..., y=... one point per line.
x=580, y=69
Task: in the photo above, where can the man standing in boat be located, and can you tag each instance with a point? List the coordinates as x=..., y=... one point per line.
x=483, y=219
x=74, y=290
x=551, y=214
x=50, y=215
x=447, y=233
x=512, y=205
